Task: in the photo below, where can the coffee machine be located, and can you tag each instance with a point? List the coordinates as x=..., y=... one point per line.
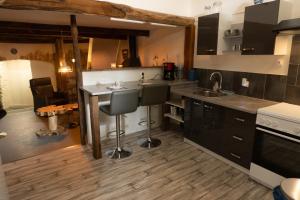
x=169, y=71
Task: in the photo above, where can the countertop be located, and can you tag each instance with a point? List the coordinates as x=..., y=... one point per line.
x=233, y=101
x=123, y=68
x=103, y=89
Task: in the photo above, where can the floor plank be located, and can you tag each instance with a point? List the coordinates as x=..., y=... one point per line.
x=21, y=141
x=175, y=170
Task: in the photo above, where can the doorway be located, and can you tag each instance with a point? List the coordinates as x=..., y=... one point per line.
x=21, y=122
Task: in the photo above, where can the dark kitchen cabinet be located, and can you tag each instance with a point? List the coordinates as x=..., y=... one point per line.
x=203, y=124
x=227, y=132
x=238, y=140
x=258, y=35
x=208, y=28
x=188, y=133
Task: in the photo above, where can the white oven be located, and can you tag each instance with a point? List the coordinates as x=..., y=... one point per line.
x=276, y=153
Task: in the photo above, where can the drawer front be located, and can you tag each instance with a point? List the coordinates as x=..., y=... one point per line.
x=240, y=125
x=239, y=137
x=239, y=152
x=238, y=158
x=238, y=117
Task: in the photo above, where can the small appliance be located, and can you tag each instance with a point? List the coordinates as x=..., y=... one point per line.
x=276, y=153
x=169, y=71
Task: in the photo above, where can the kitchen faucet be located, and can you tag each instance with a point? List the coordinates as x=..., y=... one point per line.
x=220, y=82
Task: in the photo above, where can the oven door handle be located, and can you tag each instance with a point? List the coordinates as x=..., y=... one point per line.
x=277, y=134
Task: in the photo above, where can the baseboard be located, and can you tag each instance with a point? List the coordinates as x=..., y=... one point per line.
x=242, y=169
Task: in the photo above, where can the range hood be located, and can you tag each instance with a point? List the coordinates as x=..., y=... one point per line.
x=290, y=26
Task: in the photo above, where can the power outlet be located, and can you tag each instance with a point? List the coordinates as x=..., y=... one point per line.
x=245, y=82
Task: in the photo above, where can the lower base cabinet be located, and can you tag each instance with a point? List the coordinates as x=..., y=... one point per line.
x=225, y=131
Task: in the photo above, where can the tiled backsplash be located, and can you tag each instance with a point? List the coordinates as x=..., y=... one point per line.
x=293, y=84
x=263, y=86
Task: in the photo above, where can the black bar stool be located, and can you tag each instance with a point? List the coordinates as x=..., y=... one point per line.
x=152, y=94
x=121, y=102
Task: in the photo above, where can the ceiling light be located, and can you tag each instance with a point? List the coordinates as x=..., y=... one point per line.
x=126, y=20
x=158, y=24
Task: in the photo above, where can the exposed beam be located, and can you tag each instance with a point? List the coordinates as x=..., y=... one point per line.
x=79, y=83
x=57, y=60
x=63, y=30
x=101, y=8
x=10, y=38
x=189, y=43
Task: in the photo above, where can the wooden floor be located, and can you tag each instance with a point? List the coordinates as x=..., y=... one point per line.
x=21, y=141
x=175, y=170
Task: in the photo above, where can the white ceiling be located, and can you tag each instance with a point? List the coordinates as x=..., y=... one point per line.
x=63, y=18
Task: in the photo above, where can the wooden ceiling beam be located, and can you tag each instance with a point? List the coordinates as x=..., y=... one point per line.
x=64, y=30
x=4, y=38
x=101, y=8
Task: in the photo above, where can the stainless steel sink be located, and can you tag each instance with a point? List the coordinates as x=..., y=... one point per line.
x=209, y=93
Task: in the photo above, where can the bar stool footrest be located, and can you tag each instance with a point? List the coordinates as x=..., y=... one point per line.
x=144, y=123
x=119, y=153
x=149, y=143
x=111, y=135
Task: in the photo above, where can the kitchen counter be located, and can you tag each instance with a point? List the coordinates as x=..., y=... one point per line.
x=95, y=93
x=123, y=68
x=233, y=101
x=102, y=89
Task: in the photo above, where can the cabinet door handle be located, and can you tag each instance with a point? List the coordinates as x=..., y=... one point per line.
x=197, y=104
x=237, y=138
x=210, y=50
x=248, y=49
x=208, y=107
x=236, y=156
x=239, y=119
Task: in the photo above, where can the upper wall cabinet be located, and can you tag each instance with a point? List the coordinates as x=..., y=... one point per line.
x=208, y=27
x=258, y=35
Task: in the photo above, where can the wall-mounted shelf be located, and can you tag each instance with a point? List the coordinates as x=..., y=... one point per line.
x=231, y=52
x=233, y=37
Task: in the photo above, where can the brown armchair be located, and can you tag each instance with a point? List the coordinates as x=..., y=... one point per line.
x=44, y=95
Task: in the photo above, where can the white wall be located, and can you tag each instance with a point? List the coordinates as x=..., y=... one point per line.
x=178, y=7
x=129, y=123
x=104, y=52
x=42, y=66
x=166, y=44
x=256, y=64
x=25, y=50
x=42, y=69
x=31, y=61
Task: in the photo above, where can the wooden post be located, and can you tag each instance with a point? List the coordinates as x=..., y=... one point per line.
x=60, y=60
x=79, y=83
x=57, y=59
x=95, y=126
x=189, y=45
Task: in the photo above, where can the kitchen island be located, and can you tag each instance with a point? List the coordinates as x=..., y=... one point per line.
x=94, y=95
